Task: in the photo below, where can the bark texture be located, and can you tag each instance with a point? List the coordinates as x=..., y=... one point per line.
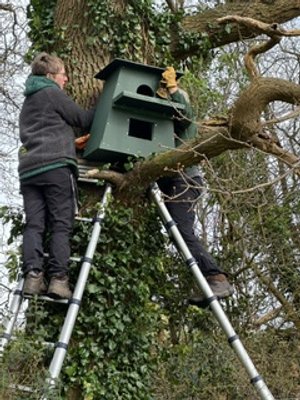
x=83, y=61
x=278, y=11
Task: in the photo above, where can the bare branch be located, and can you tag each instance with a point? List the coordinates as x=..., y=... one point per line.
x=286, y=117
x=274, y=31
x=259, y=26
x=171, y=5
x=269, y=147
x=270, y=316
x=292, y=314
x=254, y=51
x=6, y=7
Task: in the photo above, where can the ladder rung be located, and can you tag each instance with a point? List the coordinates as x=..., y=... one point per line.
x=87, y=167
x=22, y=388
x=88, y=180
x=50, y=345
x=76, y=259
x=84, y=219
x=46, y=298
x=51, y=300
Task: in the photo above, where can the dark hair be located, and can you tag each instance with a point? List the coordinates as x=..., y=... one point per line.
x=45, y=63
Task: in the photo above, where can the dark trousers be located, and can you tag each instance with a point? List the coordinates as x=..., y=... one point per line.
x=179, y=201
x=49, y=205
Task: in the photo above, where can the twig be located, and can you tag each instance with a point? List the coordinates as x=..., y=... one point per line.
x=285, y=117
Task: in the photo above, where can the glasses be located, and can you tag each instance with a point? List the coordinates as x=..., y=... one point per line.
x=58, y=73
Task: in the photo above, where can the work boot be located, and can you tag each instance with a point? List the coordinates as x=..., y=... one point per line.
x=59, y=287
x=34, y=283
x=220, y=287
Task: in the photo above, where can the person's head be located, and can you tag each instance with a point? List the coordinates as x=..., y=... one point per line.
x=50, y=66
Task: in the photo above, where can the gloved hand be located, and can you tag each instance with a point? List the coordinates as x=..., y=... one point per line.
x=162, y=92
x=81, y=142
x=169, y=78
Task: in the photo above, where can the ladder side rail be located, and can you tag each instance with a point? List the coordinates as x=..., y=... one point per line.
x=69, y=322
x=10, y=319
x=212, y=300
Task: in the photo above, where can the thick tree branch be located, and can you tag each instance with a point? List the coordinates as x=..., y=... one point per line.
x=268, y=146
x=245, y=119
x=244, y=130
x=211, y=142
x=259, y=27
x=205, y=23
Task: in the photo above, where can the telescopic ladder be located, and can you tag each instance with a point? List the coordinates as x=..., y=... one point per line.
x=74, y=303
x=211, y=299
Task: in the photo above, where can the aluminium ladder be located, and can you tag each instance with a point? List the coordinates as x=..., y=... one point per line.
x=211, y=299
x=73, y=304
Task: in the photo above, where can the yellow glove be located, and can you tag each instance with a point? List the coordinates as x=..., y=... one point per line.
x=81, y=142
x=169, y=77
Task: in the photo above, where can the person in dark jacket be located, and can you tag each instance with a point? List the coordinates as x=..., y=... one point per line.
x=183, y=189
x=47, y=171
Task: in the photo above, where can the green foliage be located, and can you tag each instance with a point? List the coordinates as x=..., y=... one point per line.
x=205, y=100
x=113, y=348
x=197, y=369
x=13, y=219
x=134, y=31
x=127, y=32
x=257, y=231
x=26, y=359
x=40, y=15
x=110, y=354
x=203, y=366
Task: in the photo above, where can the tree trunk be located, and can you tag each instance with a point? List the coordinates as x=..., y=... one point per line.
x=83, y=59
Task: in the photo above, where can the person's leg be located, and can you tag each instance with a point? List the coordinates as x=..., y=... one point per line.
x=180, y=203
x=60, y=201
x=181, y=207
x=34, y=208
x=184, y=216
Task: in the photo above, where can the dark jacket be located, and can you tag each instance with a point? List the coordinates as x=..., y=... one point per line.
x=185, y=127
x=46, y=122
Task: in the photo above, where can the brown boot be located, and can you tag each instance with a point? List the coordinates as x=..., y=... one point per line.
x=220, y=287
x=34, y=283
x=59, y=287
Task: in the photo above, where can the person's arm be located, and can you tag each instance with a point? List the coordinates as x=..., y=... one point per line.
x=73, y=114
x=169, y=89
x=185, y=117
